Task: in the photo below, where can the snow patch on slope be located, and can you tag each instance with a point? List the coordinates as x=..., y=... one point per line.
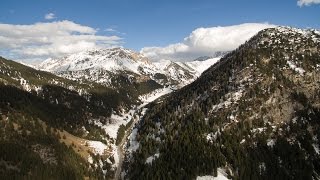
x=134, y=144
x=271, y=142
x=98, y=147
x=222, y=175
x=232, y=98
x=150, y=97
x=151, y=158
x=115, y=155
x=316, y=148
x=201, y=66
x=295, y=68
x=111, y=128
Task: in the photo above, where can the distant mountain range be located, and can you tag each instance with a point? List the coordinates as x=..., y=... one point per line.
x=103, y=65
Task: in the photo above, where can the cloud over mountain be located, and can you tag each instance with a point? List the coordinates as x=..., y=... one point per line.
x=206, y=41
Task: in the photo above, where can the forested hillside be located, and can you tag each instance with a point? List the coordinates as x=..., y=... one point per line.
x=255, y=115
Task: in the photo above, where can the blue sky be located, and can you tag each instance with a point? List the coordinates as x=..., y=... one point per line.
x=144, y=23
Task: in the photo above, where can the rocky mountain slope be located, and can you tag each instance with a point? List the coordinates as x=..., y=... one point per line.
x=253, y=115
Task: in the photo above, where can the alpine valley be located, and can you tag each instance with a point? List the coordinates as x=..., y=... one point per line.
x=70, y=115
x=252, y=113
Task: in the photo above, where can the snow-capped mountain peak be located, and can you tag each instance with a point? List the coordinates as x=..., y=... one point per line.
x=107, y=59
x=99, y=64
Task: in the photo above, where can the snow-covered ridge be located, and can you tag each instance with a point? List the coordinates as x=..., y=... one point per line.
x=292, y=30
x=293, y=35
x=107, y=59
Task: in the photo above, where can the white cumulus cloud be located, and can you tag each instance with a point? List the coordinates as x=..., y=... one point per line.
x=54, y=39
x=206, y=41
x=307, y=2
x=50, y=16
